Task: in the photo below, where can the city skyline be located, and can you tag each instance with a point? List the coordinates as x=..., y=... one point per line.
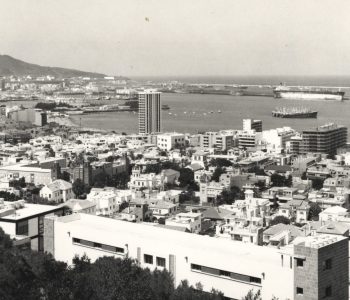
x=167, y=38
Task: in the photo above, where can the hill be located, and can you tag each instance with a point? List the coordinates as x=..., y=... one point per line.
x=12, y=66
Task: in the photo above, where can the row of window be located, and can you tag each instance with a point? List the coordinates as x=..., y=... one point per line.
x=227, y=274
x=98, y=246
x=148, y=259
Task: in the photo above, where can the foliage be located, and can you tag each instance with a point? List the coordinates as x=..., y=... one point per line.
x=186, y=177
x=64, y=176
x=50, y=105
x=280, y=219
x=280, y=180
x=134, y=105
x=314, y=211
x=18, y=184
x=228, y=196
x=217, y=173
x=78, y=187
x=317, y=183
x=8, y=196
x=252, y=296
x=220, y=163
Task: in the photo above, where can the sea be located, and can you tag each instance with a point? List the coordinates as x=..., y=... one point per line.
x=193, y=113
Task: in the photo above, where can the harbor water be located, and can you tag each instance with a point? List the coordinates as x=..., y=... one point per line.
x=194, y=113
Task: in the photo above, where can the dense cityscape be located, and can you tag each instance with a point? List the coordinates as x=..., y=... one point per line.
x=241, y=210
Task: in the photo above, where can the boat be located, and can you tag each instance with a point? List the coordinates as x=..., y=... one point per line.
x=165, y=107
x=294, y=112
x=219, y=111
x=286, y=92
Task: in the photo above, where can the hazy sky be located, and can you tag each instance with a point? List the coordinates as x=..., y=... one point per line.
x=180, y=37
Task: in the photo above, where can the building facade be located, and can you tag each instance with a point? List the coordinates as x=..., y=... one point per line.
x=149, y=112
x=324, y=139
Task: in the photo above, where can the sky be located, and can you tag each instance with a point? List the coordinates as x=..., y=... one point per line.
x=180, y=37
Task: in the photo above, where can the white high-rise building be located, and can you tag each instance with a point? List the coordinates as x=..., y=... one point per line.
x=149, y=112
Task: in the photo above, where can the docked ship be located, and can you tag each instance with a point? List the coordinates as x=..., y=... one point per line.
x=294, y=112
x=286, y=92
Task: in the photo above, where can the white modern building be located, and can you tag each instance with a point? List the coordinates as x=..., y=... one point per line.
x=310, y=268
x=170, y=140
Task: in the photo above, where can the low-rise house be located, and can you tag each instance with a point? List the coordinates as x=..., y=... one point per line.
x=327, y=198
x=162, y=209
x=333, y=213
x=281, y=234
x=108, y=199
x=191, y=221
x=297, y=210
x=81, y=206
x=137, y=211
x=58, y=191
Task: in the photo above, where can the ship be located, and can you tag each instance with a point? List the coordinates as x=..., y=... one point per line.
x=286, y=92
x=294, y=112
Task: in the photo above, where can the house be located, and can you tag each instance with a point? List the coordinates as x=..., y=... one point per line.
x=58, y=191
x=333, y=213
x=81, y=206
x=108, y=199
x=191, y=221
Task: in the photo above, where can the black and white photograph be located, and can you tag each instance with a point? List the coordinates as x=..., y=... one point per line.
x=174, y=149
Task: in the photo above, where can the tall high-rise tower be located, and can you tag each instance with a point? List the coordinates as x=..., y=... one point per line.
x=149, y=112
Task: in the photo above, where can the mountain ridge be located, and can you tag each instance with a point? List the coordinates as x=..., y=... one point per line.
x=10, y=66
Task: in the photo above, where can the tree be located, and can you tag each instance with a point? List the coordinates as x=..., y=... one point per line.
x=314, y=211
x=252, y=296
x=101, y=180
x=220, y=163
x=217, y=173
x=317, y=183
x=228, y=196
x=78, y=187
x=64, y=176
x=18, y=184
x=186, y=177
x=280, y=219
x=280, y=180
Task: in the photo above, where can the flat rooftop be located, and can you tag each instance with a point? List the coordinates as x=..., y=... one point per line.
x=29, y=210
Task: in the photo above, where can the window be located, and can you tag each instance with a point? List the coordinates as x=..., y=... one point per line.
x=160, y=262
x=328, y=291
x=300, y=291
x=148, y=259
x=300, y=262
x=196, y=267
x=97, y=245
x=75, y=240
x=327, y=264
x=22, y=228
x=225, y=273
x=255, y=280
x=119, y=250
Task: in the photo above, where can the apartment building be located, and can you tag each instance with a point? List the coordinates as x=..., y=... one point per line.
x=310, y=268
x=324, y=139
x=169, y=140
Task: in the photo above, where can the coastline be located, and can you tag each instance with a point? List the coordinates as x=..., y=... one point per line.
x=68, y=122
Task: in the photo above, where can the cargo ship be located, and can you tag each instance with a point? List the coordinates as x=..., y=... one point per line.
x=294, y=112
x=307, y=94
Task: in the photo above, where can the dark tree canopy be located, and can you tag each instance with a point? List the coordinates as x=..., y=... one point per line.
x=280, y=219
x=314, y=211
